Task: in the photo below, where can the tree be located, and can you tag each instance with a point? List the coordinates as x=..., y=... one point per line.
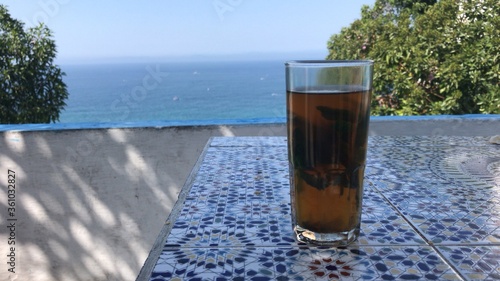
x=431, y=57
x=31, y=86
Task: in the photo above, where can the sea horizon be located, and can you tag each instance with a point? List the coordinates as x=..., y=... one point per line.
x=230, y=57
x=180, y=92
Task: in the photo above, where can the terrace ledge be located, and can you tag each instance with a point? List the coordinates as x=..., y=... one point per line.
x=483, y=118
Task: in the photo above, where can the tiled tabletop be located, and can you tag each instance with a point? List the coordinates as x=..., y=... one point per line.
x=431, y=211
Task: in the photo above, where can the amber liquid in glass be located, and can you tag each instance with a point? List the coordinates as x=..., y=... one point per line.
x=327, y=143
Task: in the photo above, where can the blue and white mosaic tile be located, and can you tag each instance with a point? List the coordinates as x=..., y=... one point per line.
x=474, y=262
x=431, y=211
x=444, y=192
x=302, y=263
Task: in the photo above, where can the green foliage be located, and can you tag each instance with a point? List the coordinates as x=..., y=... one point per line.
x=430, y=57
x=31, y=86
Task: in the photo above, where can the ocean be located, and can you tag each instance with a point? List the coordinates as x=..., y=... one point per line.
x=184, y=92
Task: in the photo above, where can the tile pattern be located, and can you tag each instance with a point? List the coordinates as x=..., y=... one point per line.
x=434, y=189
x=475, y=262
x=431, y=211
x=301, y=263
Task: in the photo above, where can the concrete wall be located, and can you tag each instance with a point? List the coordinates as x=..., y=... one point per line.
x=90, y=203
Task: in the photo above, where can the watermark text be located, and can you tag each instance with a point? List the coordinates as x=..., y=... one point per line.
x=11, y=220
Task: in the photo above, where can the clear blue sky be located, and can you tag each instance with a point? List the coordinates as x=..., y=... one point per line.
x=157, y=28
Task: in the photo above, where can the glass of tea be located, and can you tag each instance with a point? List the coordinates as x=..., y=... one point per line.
x=328, y=112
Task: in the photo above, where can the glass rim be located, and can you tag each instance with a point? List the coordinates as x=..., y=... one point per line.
x=326, y=63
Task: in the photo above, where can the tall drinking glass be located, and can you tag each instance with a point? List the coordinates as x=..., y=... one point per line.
x=328, y=111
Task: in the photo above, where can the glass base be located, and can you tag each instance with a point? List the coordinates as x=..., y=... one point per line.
x=326, y=239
